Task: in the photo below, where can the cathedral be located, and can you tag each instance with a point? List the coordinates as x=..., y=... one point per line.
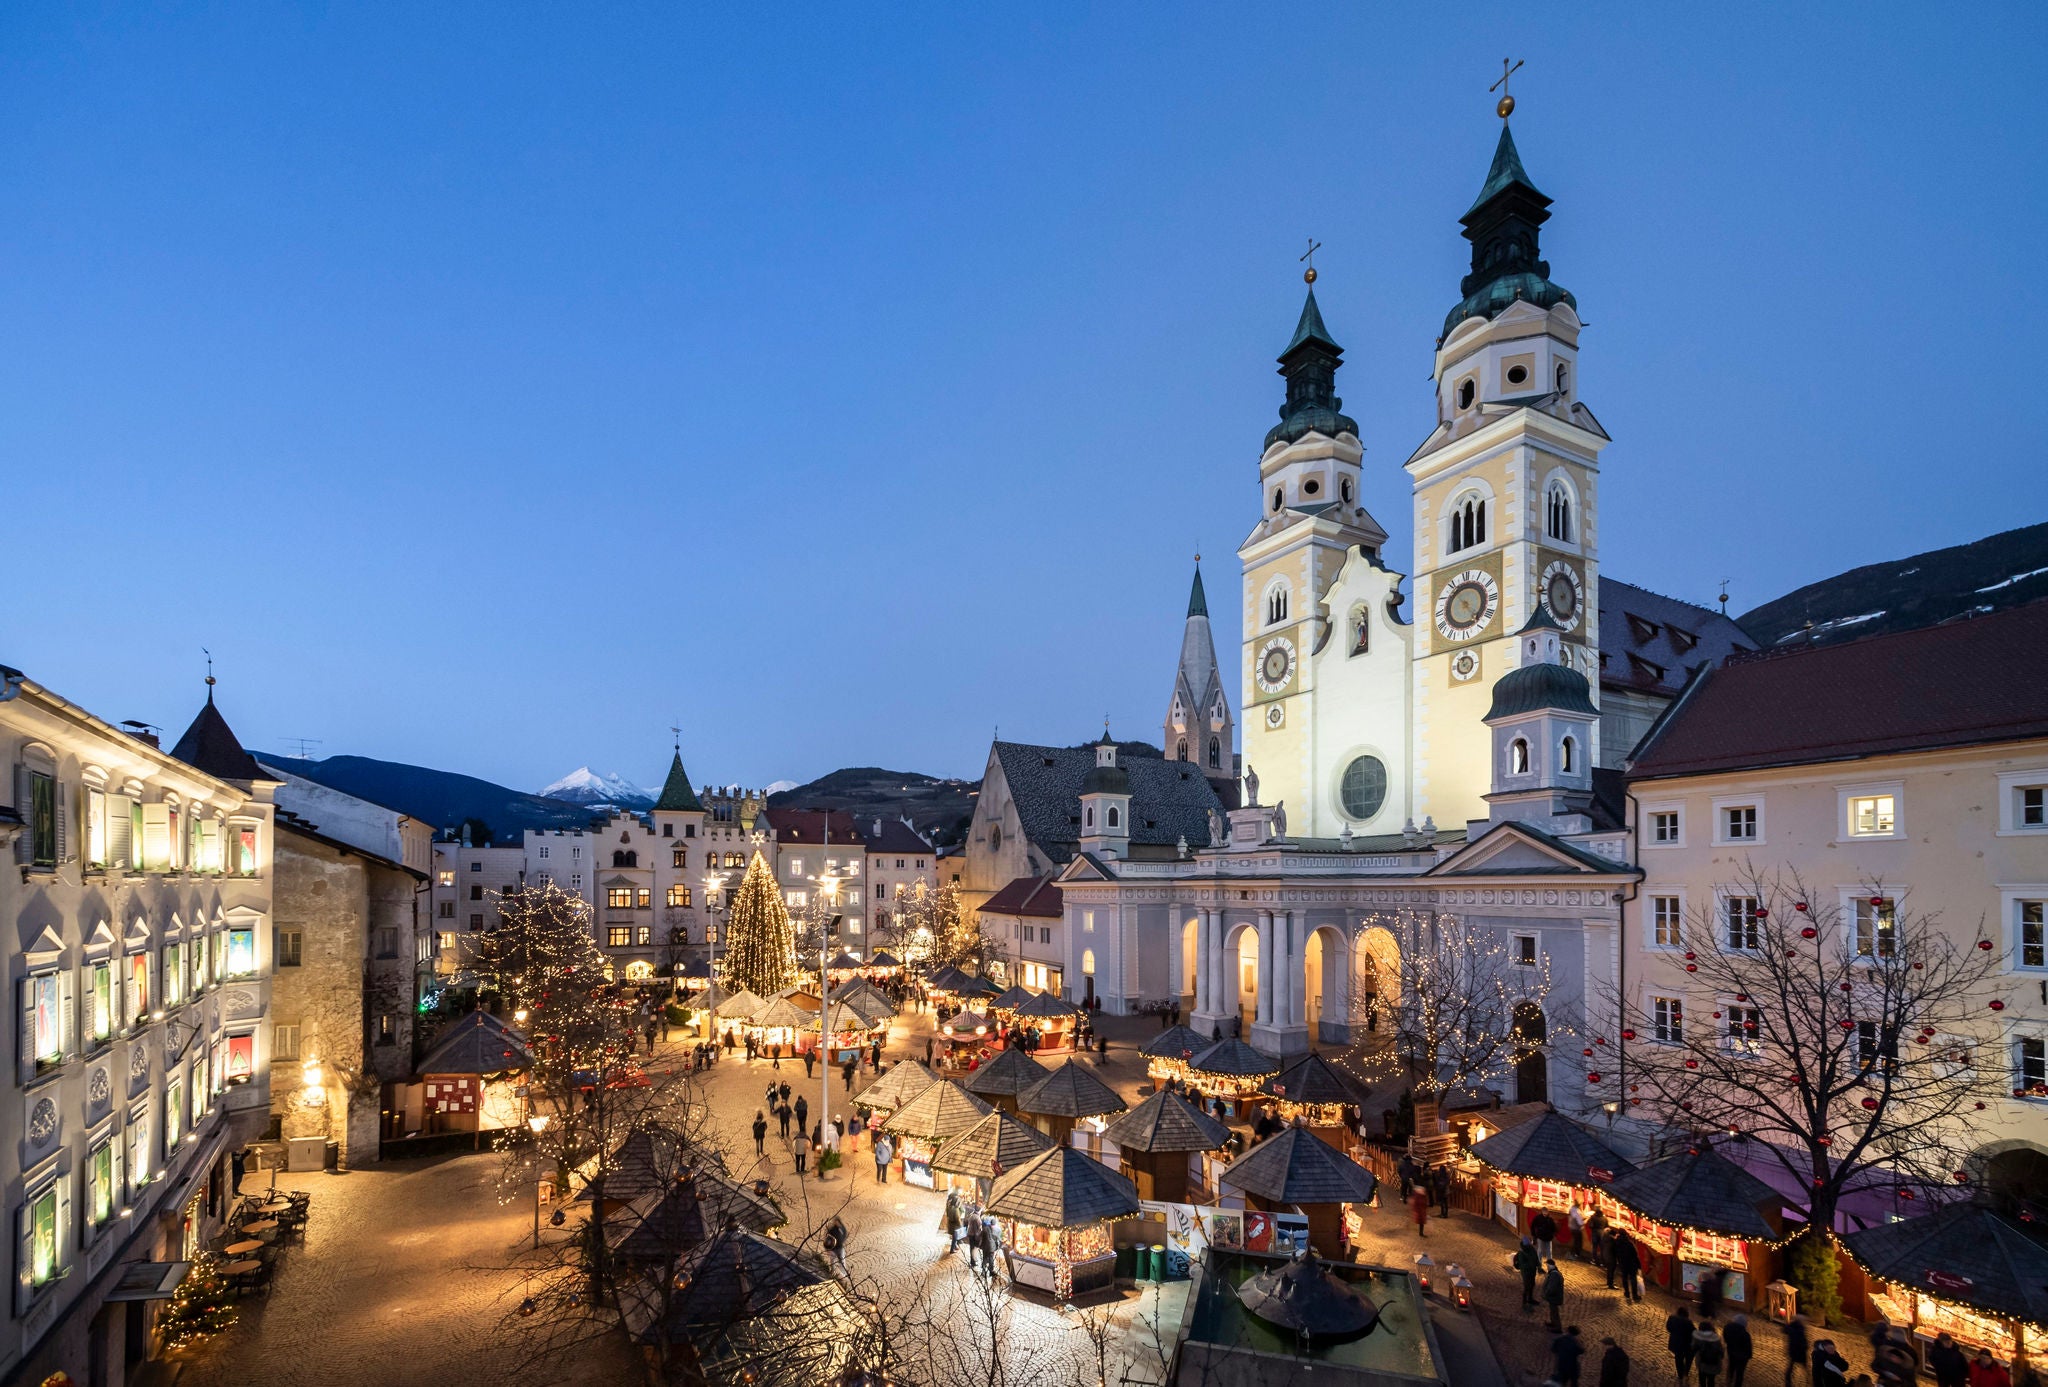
x=1396, y=766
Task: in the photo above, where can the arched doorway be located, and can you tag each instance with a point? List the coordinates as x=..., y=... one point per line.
x=1328, y=988
x=2016, y=1179
x=1376, y=962
x=1190, y=960
x=1241, y=988
x=1532, y=1066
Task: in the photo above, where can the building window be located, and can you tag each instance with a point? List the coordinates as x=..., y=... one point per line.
x=2031, y=925
x=476, y=891
x=241, y=959
x=99, y=1000
x=679, y=859
x=444, y=941
x=2032, y=804
x=1741, y=929
x=1468, y=524
x=643, y=897
x=1738, y=823
x=1664, y=828
x=643, y=934
x=42, y=819
x=291, y=945
x=799, y=899
x=45, y=998
x=619, y=897
x=1468, y=390
x=42, y=1241
x=1567, y=756
x=1525, y=950
x=576, y=881
x=1667, y=1020
x=1518, y=757
x=668, y=830
x=619, y=936
x=1276, y=604
x=1088, y=962
x=476, y=921
x=387, y=941
x=1113, y=822
x=1873, y=816
x=1558, y=513
x=447, y=910
x=2023, y=801
x=245, y=850
x=2030, y=1065
x=678, y=897
x=1874, y=927
x=95, y=827
x=1745, y=1027
x=476, y=866
x=387, y=1029
x=101, y=1182
x=444, y=878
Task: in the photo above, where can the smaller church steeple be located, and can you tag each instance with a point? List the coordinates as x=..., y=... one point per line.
x=1310, y=365
x=1198, y=725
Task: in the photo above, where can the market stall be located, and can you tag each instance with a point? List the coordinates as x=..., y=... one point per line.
x=473, y=1078
x=1316, y=1092
x=1966, y=1270
x=972, y=1161
x=1230, y=1074
x=1546, y=1164
x=1696, y=1212
x=883, y=964
x=1052, y=1022
x=865, y=997
x=849, y=1031
x=904, y=1081
x=964, y=1039
x=783, y=1022
x=842, y=967
x=1004, y=1077
x=1009, y=999
x=1071, y=1095
x=921, y=1126
x=1161, y=1141
x=1167, y=1054
x=1054, y=1213
x=1297, y=1172
x=735, y=1014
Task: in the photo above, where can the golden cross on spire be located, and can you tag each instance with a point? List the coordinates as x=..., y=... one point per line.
x=1506, y=107
x=1308, y=257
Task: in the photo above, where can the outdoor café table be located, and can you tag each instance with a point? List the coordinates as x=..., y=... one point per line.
x=247, y=1245
x=261, y=1225
x=240, y=1268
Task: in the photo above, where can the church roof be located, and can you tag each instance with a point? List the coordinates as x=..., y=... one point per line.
x=211, y=746
x=1310, y=365
x=1542, y=686
x=1506, y=169
x=1170, y=800
x=1198, y=601
x=1310, y=327
x=1650, y=643
x=1502, y=226
x=676, y=794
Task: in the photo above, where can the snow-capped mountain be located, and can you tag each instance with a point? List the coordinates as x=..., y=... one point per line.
x=585, y=786
x=777, y=787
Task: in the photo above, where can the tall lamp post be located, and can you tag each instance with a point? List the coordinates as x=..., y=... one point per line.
x=539, y=1123
x=828, y=887
x=714, y=882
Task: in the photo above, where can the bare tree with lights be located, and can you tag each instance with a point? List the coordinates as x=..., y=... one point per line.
x=1856, y=1047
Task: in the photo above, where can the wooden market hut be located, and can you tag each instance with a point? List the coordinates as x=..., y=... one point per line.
x=1055, y=1019
x=1066, y=1096
x=1545, y=1165
x=465, y=1080
x=1317, y=1092
x=867, y=998
x=1006, y=1076
x=848, y=1030
x=972, y=1161
x=1159, y=1140
x=1167, y=1054
x=1230, y=1073
x=904, y=1081
x=1699, y=1210
x=783, y=1022
x=661, y=1225
x=885, y=963
x=927, y=1122
x=1055, y=1211
x=736, y=1013
x=1010, y=998
x=1299, y=1172
x=1966, y=1270
x=646, y=1161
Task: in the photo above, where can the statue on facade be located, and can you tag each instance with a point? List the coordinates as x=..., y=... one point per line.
x=1219, y=832
x=1251, y=787
x=1280, y=819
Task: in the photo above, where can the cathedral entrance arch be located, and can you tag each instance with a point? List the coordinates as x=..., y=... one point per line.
x=1532, y=1065
x=1376, y=961
x=2015, y=1177
x=1328, y=985
x=1241, y=959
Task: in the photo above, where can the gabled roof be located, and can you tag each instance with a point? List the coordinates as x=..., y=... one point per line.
x=894, y=835
x=1063, y=1188
x=1167, y=1122
x=732, y=1277
x=1968, y=683
x=2004, y=1263
x=1650, y=642
x=211, y=746
x=1007, y=1075
x=1034, y=896
x=1701, y=1188
x=1073, y=1090
x=667, y=1221
x=1299, y=1167
x=477, y=1044
x=1170, y=800
x=1516, y=849
x=676, y=794
x=1552, y=1147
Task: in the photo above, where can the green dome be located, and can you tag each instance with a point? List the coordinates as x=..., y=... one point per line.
x=1106, y=780
x=1536, y=688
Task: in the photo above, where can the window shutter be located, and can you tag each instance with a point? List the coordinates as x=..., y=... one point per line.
x=68, y=982
x=25, y=841
x=119, y=832
x=119, y=1145
x=25, y=1041
x=67, y=836
x=24, y=1254
x=65, y=1223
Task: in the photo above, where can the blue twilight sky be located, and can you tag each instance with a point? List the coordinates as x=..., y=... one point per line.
x=491, y=386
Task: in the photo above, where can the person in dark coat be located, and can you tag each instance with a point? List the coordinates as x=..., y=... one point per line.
x=1830, y=1368
x=1628, y=1265
x=1405, y=1168
x=1949, y=1364
x=1553, y=1294
x=1440, y=1186
x=803, y=1112
x=1565, y=1352
x=782, y=1119
x=810, y=1058
x=760, y=1132
x=1741, y=1348
x=1678, y=1339
x=846, y=1076
x=1613, y=1365
x=1707, y=1353
x=1529, y=1265
x=238, y=1165
x=1543, y=1228
x=1797, y=1354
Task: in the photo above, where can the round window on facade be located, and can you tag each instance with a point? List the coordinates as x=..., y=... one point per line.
x=1365, y=787
x=1311, y=486
x=1517, y=374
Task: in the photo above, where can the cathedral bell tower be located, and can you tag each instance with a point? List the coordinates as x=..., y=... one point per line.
x=1198, y=724
x=1506, y=491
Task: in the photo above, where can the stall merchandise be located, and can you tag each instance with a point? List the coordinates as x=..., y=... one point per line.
x=997, y=1143
x=1315, y=1091
x=1167, y=1054
x=1232, y=1073
x=1696, y=1211
x=1966, y=1269
x=1055, y=1212
x=1070, y=1094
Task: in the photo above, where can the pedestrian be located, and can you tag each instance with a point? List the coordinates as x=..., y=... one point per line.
x=1405, y=1168
x=846, y=1076
x=237, y=1165
x=1678, y=1339
x=775, y=1054
x=1440, y=1183
x=1565, y=1352
x=1628, y=1265
x=1891, y=1360
x=1707, y=1353
x=664, y=1025
x=949, y=1221
x=810, y=1058
x=1741, y=1348
x=1950, y=1366
x=1596, y=1243
x=1553, y=1295
x=782, y=1090
x=1796, y=1351
x=760, y=1132
x=991, y=1242
x=803, y=1111
x=835, y=1244
x=650, y=1035
x=1543, y=1228
x=1530, y=1266
x=782, y=1119
x=1613, y=1364
x=803, y=1153
x=884, y=1151
x=875, y=1055
x=1710, y=1293
x=928, y=1051
x=1830, y=1368
x=1575, y=1224
x=1987, y=1372
x=1418, y=1209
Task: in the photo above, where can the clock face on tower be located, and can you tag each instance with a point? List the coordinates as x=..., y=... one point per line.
x=1276, y=663
x=1465, y=604
x=1564, y=594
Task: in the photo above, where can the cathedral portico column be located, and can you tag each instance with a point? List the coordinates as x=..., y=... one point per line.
x=1267, y=965
x=1201, y=947
x=1212, y=979
x=1297, y=971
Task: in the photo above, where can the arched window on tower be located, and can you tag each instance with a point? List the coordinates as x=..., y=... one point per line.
x=1558, y=512
x=1278, y=497
x=1468, y=523
x=1181, y=754
x=1567, y=756
x=1276, y=604
x=1088, y=817
x=1563, y=377
x=1518, y=757
x=1215, y=754
x=1114, y=817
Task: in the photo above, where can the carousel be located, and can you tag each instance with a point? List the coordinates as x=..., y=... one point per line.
x=1966, y=1270
x=1697, y=1212
x=1055, y=1021
x=904, y=1081
x=927, y=1122
x=1319, y=1094
x=1167, y=1054
x=1055, y=1211
x=1546, y=1165
x=964, y=1039
x=980, y=1155
x=1069, y=1096
x=1297, y=1171
x=1231, y=1075
x=1004, y=1077
x=1161, y=1142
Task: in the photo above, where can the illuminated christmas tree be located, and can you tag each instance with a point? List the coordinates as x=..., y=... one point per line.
x=760, y=951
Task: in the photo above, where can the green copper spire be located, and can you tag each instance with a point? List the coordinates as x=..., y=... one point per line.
x=1507, y=168
x=1310, y=365
x=1502, y=225
x=1198, y=601
x=1310, y=328
x=676, y=794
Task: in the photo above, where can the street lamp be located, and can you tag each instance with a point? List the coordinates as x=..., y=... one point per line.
x=539, y=1123
x=828, y=887
x=714, y=882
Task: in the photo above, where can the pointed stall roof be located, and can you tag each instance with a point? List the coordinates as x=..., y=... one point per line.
x=1299, y=1167
x=211, y=746
x=1046, y=1007
x=734, y=1276
x=1552, y=1147
x=1073, y=1090
x=660, y=1223
x=997, y=1143
x=1007, y=1075
x=1965, y=1253
x=1231, y=1058
x=903, y=1082
x=1063, y=1188
x=1010, y=998
x=882, y=958
x=1176, y=1043
x=676, y=794
x=1313, y=1079
x=477, y=1044
x=742, y=1005
x=645, y=1162
x=783, y=1012
x=1701, y=1188
x=943, y=1110
x=844, y=963
x=1167, y=1122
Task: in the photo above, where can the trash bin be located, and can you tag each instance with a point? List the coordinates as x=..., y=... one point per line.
x=1127, y=1264
x=1158, y=1262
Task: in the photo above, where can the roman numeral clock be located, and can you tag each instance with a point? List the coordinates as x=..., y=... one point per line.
x=1466, y=603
